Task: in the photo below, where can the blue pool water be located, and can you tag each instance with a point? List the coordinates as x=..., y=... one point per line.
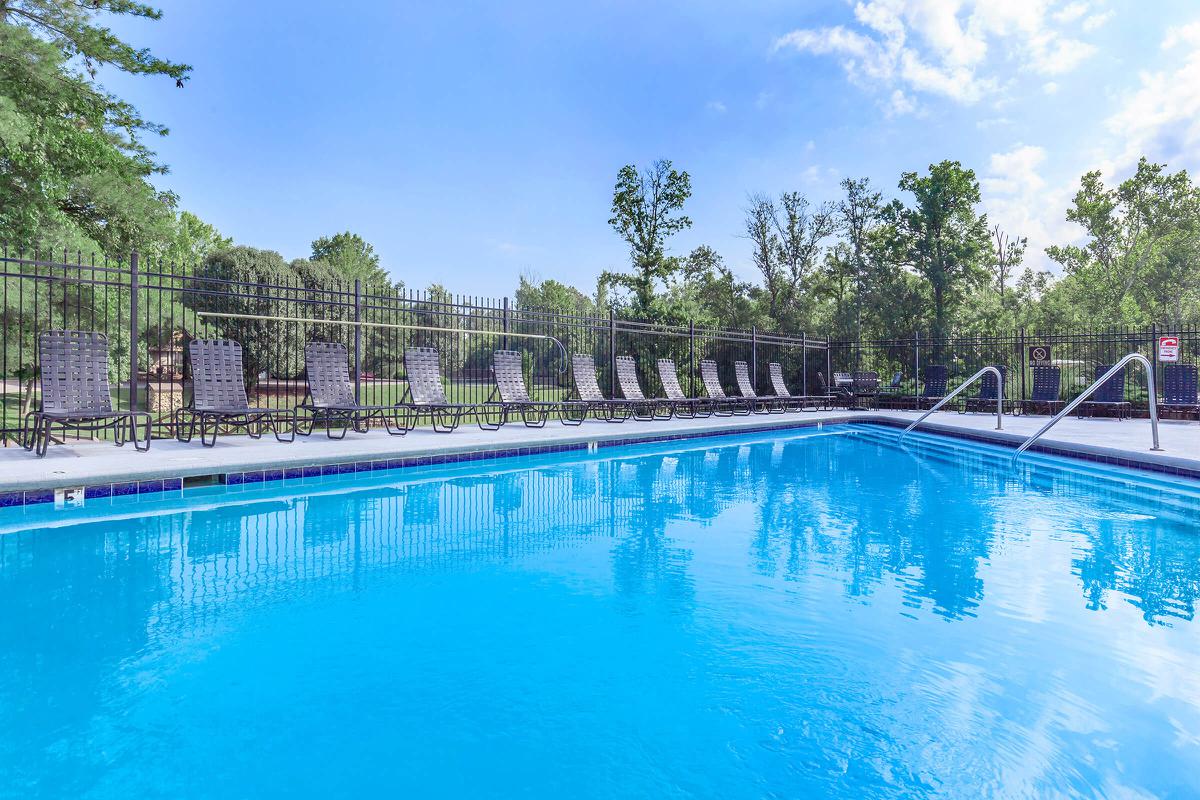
x=802, y=615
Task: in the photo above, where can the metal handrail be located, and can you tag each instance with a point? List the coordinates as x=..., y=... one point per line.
x=394, y=326
x=1120, y=365
x=999, y=398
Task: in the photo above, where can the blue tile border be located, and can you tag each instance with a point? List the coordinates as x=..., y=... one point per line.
x=294, y=475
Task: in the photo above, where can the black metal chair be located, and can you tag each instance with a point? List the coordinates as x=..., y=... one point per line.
x=690, y=407
x=723, y=404
x=1047, y=388
x=590, y=399
x=641, y=407
x=791, y=402
x=985, y=399
x=219, y=397
x=511, y=394
x=864, y=387
x=761, y=404
x=425, y=396
x=1180, y=390
x=329, y=396
x=1109, y=396
x=936, y=376
x=834, y=395
x=75, y=393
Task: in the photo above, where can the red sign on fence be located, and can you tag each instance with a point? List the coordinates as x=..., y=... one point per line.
x=1168, y=348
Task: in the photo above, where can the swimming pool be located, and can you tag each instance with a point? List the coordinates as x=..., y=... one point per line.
x=770, y=615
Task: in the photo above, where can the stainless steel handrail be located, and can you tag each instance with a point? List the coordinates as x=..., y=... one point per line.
x=1071, y=406
x=999, y=398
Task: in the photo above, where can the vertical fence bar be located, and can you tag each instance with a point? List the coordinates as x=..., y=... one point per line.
x=691, y=358
x=358, y=340
x=133, y=332
x=612, y=353
x=504, y=324
x=754, y=356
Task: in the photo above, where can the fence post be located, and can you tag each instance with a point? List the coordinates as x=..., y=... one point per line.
x=357, y=341
x=1024, y=353
x=133, y=331
x=612, y=353
x=504, y=323
x=754, y=356
x=691, y=358
x=916, y=363
x=803, y=363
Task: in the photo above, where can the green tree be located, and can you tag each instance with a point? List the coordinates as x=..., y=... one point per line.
x=941, y=237
x=242, y=280
x=351, y=257
x=191, y=241
x=1139, y=263
x=646, y=210
x=72, y=157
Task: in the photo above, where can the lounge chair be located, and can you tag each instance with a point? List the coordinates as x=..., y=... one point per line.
x=1180, y=390
x=75, y=393
x=426, y=396
x=864, y=386
x=685, y=406
x=791, y=402
x=590, y=398
x=723, y=404
x=1109, y=396
x=512, y=395
x=985, y=399
x=1047, y=386
x=762, y=404
x=329, y=398
x=835, y=395
x=631, y=389
x=936, y=376
x=219, y=397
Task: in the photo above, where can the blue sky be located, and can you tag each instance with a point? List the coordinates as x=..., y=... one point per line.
x=472, y=142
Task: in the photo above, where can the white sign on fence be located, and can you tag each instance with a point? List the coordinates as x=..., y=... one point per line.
x=1168, y=348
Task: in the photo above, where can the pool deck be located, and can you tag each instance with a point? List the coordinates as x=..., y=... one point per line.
x=96, y=463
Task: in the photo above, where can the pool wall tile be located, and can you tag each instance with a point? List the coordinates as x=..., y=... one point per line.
x=9, y=499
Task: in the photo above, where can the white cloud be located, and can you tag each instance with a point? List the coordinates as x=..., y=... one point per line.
x=716, y=106
x=1050, y=87
x=1097, y=21
x=945, y=48
x=1161, y=119
x=1018, y=198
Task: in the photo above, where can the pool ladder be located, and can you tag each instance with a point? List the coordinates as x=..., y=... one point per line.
x=1071, y=406
x=999, y=398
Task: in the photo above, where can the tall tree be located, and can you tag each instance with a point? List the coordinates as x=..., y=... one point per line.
x=762, y=221
x=647, y=209
x=72, y=155
x=1143, y=243
x=801, y=231
x=1007, y=255
x=351, y=257
x=941, y=237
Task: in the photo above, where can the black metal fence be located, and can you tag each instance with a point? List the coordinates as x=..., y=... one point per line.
x=150, y=310
x=1076, y=354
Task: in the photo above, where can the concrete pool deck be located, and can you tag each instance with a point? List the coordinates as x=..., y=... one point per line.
x=100, y=463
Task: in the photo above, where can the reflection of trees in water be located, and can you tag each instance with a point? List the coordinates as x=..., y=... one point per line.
x=79, y=602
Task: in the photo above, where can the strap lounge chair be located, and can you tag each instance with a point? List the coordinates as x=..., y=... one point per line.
x=761, y=404
x=936, y=376
x=1047, y=386
x=75, y=393
x=1180, y=390
x=426, y=396
x=1109, y=396
x=723, y=404
x=590, y=398
x=631, y=389
x=512, y=395
x=791, y=402
x=219, y=397
x=985, y=399
x=329, y=397
x=690, y=407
